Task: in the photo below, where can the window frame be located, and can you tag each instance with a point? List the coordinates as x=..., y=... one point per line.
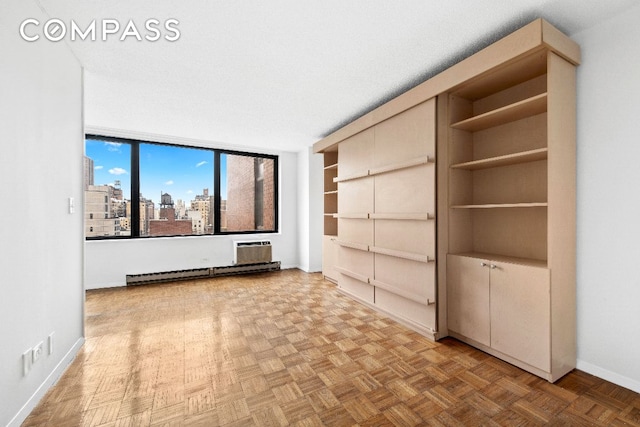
x=217, y=152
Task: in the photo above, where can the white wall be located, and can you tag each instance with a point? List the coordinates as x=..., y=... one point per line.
x=107, y=262
x=608, y=292
x=310, y=209
x=42, y=243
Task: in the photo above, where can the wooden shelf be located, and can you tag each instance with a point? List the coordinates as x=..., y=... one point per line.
x=353, y=245
x=506, y=160
x=357, y=215
x=505, y=259
x=510, y=113
x=501, y=206
x=401, y=254
x=402, y=165
x=352, y=274
x=362, y=174
x=402, y=292
x=407, y=217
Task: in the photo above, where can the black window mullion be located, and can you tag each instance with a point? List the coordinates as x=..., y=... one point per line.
x=217, y=204
x=135, y=189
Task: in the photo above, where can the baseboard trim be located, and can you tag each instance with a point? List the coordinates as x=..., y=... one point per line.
x=610, y=376
x=49, y=382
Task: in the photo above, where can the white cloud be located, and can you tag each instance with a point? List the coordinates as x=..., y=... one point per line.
x=117, y=171
x=99, y=167
x=204, y=162
x=113, y=146
x=190, y=192
x=170, y=182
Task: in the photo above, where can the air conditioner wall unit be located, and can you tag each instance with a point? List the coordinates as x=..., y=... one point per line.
x=251, y=252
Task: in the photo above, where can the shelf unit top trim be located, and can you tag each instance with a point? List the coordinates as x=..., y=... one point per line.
x=538, y=35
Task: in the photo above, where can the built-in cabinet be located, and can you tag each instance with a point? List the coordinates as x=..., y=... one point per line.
x=510, y=141
x=329, y=247
x=503, y=305
x=386, y=216
x=455, y=206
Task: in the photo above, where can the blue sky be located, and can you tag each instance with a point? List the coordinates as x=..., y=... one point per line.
x=180, y=171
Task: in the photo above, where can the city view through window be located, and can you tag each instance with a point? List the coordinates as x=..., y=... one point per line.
x=176, y=194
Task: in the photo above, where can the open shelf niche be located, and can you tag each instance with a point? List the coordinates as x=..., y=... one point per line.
x=498, y=164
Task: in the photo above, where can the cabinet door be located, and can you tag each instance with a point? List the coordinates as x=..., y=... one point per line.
x=468, y=298
x=329, y=258
x=520, y=313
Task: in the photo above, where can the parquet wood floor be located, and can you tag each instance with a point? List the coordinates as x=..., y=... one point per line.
x=286, y=348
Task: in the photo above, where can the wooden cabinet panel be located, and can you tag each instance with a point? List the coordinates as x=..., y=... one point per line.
x=356, y=231
x=356, y=196
x=355, y=261
x=468, y=294
x=416, y=313
x=329, y=258
x=412, y=279
x=356, y=288
x=356, y=153
x=520, y=313
x=409, y=190
x=408, y=135
x=408, y=236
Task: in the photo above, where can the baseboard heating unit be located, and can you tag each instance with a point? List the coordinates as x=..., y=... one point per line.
x=201, y=273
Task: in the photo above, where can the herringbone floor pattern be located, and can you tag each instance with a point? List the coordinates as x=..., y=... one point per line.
x=286, y=348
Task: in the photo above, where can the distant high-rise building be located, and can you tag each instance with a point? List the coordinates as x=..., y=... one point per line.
x=250, y=193
x=99, y=218
x=88, y=172
x=203, y=203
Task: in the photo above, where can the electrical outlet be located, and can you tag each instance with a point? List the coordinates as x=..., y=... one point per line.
x=26, y=362
x=37, y=351
x=50, y=342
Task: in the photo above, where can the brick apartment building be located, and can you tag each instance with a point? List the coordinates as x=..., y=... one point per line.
x=250, y=193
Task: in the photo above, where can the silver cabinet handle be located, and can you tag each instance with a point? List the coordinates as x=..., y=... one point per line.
x=493, y=266
x=483, y=264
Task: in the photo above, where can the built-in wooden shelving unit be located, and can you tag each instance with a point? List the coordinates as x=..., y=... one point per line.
x=485, y=252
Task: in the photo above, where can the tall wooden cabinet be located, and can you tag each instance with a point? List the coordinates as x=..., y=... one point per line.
x=479, y=245
x=329, y=248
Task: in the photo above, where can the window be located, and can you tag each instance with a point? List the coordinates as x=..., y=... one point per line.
x=248, y=185
x=176, y=188
x=107, y=185
x=146, y=189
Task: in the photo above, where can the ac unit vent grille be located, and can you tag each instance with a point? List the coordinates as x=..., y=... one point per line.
x=252, y=252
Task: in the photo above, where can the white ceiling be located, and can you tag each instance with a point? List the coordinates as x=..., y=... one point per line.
x=281, y=74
